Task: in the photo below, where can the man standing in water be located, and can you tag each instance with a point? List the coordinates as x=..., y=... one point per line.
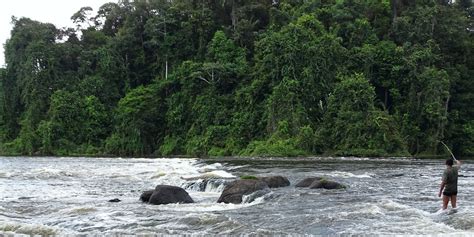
x=450, y=183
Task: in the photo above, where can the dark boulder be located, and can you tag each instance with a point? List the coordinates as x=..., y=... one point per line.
x=326, y=184
x=275, y=181
x=115, y=200
x=165, y=194
x=234, y=192
x=307, y=182
x=145, y=197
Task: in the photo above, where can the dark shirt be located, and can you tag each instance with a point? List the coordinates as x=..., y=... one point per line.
x=450, y=178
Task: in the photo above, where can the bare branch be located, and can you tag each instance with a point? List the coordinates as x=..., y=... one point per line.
x=204, y=79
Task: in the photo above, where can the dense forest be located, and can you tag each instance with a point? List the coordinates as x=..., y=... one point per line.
x=243, y=77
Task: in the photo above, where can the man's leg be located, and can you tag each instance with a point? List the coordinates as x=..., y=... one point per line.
x=453, y=201
x=445, y=202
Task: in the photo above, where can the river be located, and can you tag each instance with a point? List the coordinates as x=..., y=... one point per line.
x=386, y=196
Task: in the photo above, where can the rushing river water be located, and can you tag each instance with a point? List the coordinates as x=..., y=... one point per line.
x=69, y=196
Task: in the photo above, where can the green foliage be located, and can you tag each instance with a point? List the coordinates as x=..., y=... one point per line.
x=74, y=124
x=169, y=146
x=3, y=75
x=354, y=125
x=218, y=152
x=273, y=148
x=469, y=142
x=137, y=121
x=255, y=78
x=306, y=139
x=281, y=143
x=297, y=69
x=248, y=177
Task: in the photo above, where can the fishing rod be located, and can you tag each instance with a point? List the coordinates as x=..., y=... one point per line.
x=447, y=148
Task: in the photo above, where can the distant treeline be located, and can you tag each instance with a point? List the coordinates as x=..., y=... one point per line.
x=243, y=77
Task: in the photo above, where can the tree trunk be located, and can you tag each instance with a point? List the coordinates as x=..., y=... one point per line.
x=394, y=4
x=234, y=16
x=166, y=68
x=446, y=107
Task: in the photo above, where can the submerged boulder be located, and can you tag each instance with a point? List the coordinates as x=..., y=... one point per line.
x=145, y=197
x=115, y=200
x=234, y=192
x=326, y=184
x=307, y=182
x=166, y=194
x=275, y=181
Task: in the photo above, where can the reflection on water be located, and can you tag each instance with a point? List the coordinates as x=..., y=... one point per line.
x=47, y=196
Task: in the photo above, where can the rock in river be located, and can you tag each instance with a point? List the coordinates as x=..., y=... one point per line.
x=145, y=197
x=307, y=182
x=275, y=181
x=234, y=192
x=165, y=194
x=326, y=184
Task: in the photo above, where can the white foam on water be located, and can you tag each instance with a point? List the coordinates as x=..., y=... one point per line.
x=204, y=197
x=80, y=210
x=164, y=171
x=238, y=167
x=177, y=171
x=257, y=196
x=206, y=207
x=19, y=229
x=342, y=174
x=407, y=219
x=5, y=175
x=462, y=220
x=215, y=188
x=204, y=218
x=211, y=186
x=211, y=167
x=394, y=218
x=178, y=174
x=44, y=173
x=354, y=158
x=130, y=177
x=447, y=211
x=369, y=209
x=208, y=175
x=392, y=206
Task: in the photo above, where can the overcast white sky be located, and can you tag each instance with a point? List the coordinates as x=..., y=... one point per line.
x=57, y=12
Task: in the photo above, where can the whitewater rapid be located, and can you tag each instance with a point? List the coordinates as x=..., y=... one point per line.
x=69, y=196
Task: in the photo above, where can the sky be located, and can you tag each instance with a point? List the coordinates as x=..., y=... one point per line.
x=57, y=12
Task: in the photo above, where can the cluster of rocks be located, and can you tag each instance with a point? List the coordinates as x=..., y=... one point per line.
x=234, y=191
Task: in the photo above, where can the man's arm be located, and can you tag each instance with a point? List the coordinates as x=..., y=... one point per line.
x=441, y=188
x=458, y=163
